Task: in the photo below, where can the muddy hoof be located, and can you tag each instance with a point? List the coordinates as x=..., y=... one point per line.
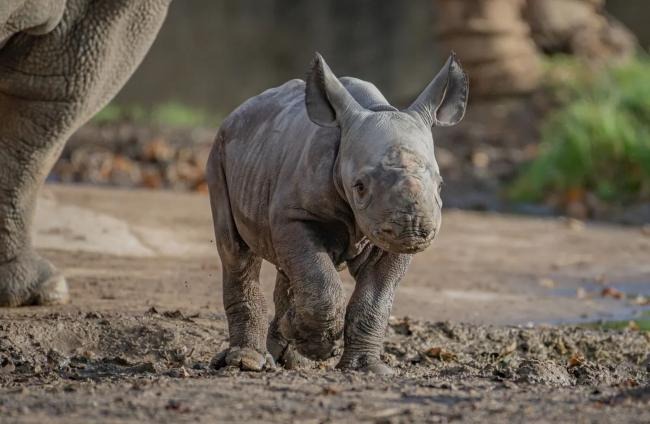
x=317, y=342
x=31, y=280
x=244, y=358
x=365, y=364
x=292, y=360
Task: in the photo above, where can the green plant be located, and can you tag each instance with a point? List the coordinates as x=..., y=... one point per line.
x=598, y=141
x=642, y=323
x=171, y=114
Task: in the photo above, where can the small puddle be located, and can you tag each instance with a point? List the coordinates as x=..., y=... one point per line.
x=631, y=289
x=634, y=304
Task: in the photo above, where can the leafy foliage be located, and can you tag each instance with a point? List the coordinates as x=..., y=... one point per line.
x=598, y=141
x=170, y=114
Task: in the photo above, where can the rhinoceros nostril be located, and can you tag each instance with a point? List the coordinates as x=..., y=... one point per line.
x=387, y=230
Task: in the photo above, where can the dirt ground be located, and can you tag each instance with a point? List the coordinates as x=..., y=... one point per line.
x=473, y=337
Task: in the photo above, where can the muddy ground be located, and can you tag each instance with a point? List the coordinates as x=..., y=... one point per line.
x=479, y=343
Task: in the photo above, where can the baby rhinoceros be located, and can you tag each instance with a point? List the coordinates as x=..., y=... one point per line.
x=313, y=176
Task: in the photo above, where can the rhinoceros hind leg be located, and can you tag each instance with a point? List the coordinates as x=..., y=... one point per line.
x=243, y=299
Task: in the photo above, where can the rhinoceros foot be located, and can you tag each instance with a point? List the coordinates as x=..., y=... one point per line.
x=244, y=358
x=31, y=280
x=364, y=363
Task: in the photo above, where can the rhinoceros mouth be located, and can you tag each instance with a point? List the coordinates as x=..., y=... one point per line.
x=406, y=244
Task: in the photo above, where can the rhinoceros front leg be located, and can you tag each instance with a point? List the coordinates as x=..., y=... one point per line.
x=377, y=274
x=313, y=323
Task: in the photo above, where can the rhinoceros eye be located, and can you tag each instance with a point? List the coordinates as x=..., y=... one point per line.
x=359, y=187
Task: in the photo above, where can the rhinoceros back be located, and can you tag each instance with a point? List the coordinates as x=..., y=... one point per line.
x=271, y=151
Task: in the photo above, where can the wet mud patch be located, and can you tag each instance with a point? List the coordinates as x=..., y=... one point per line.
x=154, y=366
x=552, y=356
x=113, y=346
x=104, y=346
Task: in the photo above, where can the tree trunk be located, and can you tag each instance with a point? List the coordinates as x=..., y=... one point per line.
x=493, y=42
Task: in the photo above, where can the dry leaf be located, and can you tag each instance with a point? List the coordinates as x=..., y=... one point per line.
x=645, y=230
x=331, y=390
x=158, y=150
x=546, y=282
x=613, y=293
x=576, y=360
x=507, y=350
x=480, y=159
x=575, y=224
x=441, y=354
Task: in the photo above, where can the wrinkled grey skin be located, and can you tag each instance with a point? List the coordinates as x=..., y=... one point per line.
x=60, y=62
x=313, y=176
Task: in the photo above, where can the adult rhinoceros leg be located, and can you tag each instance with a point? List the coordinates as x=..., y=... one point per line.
x=377, y=274
x=49, y=85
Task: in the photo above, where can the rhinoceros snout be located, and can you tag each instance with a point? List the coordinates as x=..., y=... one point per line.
x=408, y=234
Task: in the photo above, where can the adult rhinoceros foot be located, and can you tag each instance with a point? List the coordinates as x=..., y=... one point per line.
x=31, y=280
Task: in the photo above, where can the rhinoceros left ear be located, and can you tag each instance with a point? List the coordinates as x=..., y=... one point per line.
x=328, y=102
x=444, y=101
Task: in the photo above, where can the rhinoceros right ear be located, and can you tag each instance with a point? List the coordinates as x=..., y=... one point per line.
x=444, y=101
x=328, y=102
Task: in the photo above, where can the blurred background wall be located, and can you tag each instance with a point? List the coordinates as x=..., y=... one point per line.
x=213, y=54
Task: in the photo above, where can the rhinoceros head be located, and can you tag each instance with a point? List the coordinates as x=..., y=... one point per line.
x=386, y=167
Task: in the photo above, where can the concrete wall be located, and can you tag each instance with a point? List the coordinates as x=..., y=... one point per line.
x=214, y=54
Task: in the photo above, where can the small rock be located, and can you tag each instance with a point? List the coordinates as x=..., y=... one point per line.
x=543, y=372
x=581, y=293
x=176, y=405
x=7, y=366
x=546, y=282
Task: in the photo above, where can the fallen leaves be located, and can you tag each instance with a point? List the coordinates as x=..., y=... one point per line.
x=441, y=354
x=576, y=360
x=508, y=349
x=575, y=224
x=613, y=293
x=136, y=158
x=645, y=230
x=546, y=283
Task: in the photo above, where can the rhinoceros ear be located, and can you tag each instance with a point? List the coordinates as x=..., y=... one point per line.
x=327, y=101
x=444, y=101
